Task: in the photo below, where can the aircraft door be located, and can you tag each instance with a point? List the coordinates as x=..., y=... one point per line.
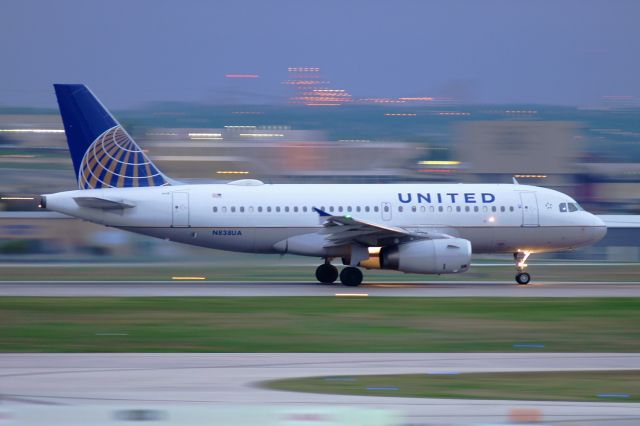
x=529, y=203
x=180, y=209
x=386, y=211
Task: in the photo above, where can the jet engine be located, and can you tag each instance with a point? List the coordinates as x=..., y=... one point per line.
x=440, y=256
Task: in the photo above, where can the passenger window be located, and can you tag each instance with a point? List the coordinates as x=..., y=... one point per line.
x=295, y=209
x=423, y=209
x=340, y=209
x=358, y=209
x=458, y=209
x=440, y=208
x=467, y=208
x=304, y=209
x=502, y=209
x=376, y=209
x=386, y=209
x=449, y=209
x=233, y=209
x=349, y=209
x=476, y=209
x=572, y=207
x=286, y=209
x=224, y=210
x=215, y=210
x=251, y=209
x=269, y=209
x=366, y=209
x=413, y=209
x=399, y=209
x=260, y=209
x=493, y=209
x=241, y=209
x=278, y=209
x=331, y=209
x=510, y=208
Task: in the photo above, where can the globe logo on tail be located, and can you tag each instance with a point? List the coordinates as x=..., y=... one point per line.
x=114, y=160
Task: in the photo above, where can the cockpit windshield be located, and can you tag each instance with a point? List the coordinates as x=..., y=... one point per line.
x=570, y=207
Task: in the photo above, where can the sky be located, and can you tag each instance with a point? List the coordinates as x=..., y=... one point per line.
x=566, y=52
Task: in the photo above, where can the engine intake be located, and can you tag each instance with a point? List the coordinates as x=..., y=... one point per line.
x=441, y=256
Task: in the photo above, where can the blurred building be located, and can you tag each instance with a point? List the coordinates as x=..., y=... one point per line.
x=544, y=152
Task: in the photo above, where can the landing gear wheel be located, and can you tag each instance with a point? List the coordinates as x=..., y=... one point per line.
x=351, y=276
x=327, y=273
x=523, y=278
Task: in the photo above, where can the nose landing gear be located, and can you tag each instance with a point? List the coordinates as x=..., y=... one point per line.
x=520, y=258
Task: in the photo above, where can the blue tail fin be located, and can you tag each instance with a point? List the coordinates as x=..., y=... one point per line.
x=103, y=153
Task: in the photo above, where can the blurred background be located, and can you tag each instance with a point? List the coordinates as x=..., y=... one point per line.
x=311, y=92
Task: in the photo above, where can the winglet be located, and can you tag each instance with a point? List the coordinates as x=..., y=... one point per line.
x=320, y=212
x=515, y=181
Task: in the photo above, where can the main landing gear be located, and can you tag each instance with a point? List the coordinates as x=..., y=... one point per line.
x=328, y=274
x=520, y=258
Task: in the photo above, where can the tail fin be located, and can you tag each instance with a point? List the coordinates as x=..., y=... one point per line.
x=103, y=153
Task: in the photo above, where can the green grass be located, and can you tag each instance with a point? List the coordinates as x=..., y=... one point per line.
x=541, y=386
x=319, y=324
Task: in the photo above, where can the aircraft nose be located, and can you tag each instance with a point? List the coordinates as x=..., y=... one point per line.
x=597, y=229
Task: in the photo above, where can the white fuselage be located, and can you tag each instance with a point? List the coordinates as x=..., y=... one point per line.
x=496, y=218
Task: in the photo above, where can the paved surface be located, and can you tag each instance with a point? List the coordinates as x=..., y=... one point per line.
x=224, y=379
x=215, y=288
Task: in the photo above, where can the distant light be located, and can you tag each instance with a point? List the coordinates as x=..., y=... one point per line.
x=17, y=156
x=417, y=99
x=16, y=198
x=239, y=127
x=531, y=176
x=242, y=76
x=31, y=131
x=188, y=278
x=439, y=163
x=232, y=172
x=204, y=134
x=400, y=115
x=454, y=113
x=262, y=135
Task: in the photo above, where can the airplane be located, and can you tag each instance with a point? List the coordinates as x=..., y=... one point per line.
x=420, y=228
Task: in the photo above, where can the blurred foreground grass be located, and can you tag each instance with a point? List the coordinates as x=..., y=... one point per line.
x=269, y=268
x=605, y=386
x=318, y=324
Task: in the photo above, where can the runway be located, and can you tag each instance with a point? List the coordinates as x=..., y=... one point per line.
x=227, y=379
x=272, y=288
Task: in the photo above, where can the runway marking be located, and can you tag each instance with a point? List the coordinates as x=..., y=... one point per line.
x=188, y=278
x=352, y=294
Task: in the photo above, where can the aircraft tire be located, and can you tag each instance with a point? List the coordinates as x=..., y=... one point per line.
x=351, y=276
x=327, y=273
x=523, y=278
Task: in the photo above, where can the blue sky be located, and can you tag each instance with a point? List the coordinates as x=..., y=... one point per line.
x=130, y=52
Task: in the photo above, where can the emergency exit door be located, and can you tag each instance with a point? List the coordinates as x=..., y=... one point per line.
x=180, y=209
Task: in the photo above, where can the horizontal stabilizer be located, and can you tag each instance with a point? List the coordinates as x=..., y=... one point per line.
x=101, y=203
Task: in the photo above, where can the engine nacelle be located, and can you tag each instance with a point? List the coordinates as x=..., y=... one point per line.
x=441, y=256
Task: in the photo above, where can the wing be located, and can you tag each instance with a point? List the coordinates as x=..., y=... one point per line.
x=342, y=230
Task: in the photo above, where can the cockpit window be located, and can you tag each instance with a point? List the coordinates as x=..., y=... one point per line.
x=563, y=207
x=572, y=207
